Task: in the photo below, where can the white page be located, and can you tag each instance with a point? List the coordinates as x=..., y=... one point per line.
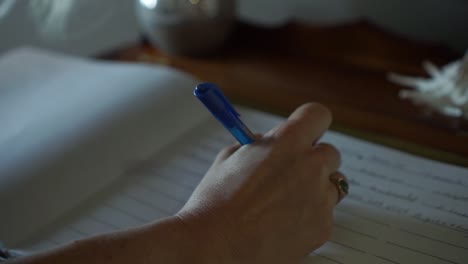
x=388, y=217
x=69, y=127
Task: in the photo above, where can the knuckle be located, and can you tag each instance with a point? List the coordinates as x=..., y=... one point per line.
x=317, y=158
x=327, y=152
x=327, y=147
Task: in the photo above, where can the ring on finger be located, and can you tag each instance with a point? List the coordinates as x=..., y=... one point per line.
x=341, y=185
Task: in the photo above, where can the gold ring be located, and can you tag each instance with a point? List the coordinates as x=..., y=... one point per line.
x=341, y=185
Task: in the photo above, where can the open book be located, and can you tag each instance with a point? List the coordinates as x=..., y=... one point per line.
x=88, y=147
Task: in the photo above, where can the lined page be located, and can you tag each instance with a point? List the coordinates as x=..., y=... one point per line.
x=402, y=209
x=70, y=126
x=149, y=191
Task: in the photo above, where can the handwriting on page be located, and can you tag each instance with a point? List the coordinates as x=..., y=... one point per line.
x=401, y=209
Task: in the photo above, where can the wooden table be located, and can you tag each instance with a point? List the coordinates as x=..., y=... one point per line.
x=343, y=67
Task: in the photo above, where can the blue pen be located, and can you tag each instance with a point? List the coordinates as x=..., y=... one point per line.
x=212, y=97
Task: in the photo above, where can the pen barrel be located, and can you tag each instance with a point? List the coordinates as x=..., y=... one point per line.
x=242, y=133
x=215, y=101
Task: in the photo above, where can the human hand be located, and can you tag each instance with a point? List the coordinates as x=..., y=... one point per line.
x=271, y=201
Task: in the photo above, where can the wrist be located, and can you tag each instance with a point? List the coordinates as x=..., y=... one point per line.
x=209, y=245
x=183, y=240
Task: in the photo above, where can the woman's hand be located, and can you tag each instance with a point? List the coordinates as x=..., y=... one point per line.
x=271, y=201
x=268, y=202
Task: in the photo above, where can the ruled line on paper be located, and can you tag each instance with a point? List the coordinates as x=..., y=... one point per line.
x=134, y=207
x=363, y=171
x=328, y=258
x=386, y=259
x=52, y=242
x=125, y=212
x=417, y=216
x=44, y=244
x=170, y=188
x=203, y=161
x=433, y=239
x=347, y=246
x=210, y=146
x=115, y=217
x=420, y=252
x=367, y=218
x=55, y=241
x=193, y=172
x=443, y=209
x=355, y=231
x=181, y=181
x=65, y=235
x=402, y=167
x=172, y=181
x=78, y=231
x=173, y=197
x=148, y=203
x=101, y=221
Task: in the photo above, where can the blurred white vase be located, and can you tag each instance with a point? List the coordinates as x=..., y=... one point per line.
x=186, y=27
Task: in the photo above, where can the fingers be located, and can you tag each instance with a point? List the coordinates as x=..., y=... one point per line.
x=304, y=126
x=227, y=152
x=338, y=188
x=329, y=159
x=328, y=156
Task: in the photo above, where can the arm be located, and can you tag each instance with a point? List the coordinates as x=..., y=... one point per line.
x=165, y=241
x=267, y=202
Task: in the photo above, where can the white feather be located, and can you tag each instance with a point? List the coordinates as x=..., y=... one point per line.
x=445, y=91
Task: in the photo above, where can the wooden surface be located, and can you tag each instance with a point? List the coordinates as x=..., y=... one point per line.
x=343, y=67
